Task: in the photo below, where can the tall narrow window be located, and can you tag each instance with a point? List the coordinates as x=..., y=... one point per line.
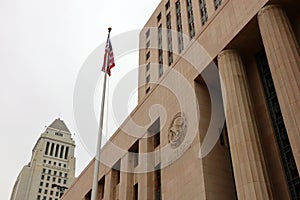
x=169, y=39
x=101, y=184
x=160, y=51
x=283, y=143
x=217, y=3
x=56, y=150
x=154, y=133
x=147, y=55
x=203, y=11
x=167, y=6
x=148, y=33
x=61, y=151
x=148, y=79
x=179, y=27
x=157, y=183
x=190, y=18
x=134, y=149
x=116, y=172
x=47, y=148
x=136, y=191
x=51, y=149
x=67, y=153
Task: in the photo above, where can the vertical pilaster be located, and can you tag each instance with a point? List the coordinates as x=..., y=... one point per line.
x=108, y=186
x=247, y=158
x=283, y=56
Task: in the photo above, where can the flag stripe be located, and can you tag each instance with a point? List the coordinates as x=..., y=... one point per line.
x=111, y=60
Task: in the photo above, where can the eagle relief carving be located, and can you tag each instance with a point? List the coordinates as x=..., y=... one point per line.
x=177, y=130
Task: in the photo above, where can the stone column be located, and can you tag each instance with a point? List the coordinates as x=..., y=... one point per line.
x=283, y=56
x=248, y=163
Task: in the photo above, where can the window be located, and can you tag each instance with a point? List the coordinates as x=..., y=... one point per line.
x=44, y=161
x=46, y=191
x=66, y=175
x=203, y=11
x=147, y=90
x=190, y=18
x=160, y=51
x=59, y=180
x=179, y=26
x=49, y=162
x=65, y=165
x=148, y=79
x=148, y=33
x=116, y=172
x=41, y=183
x=47, y=148
x=147, y=56
x=51, y=192
x=57, y=194
x=44, y=170
x=47, y=185
x=65, y=181
x=167, y=6
x=157, y=183
x=67, y=153
x=217, y=3
x=134, y=149
x=48, y=178
x=59, y=134
x=61, y=151
x=169, y=39
x=147, y=67
x=54, y=173
x=156, y=141
x=40, y=190
x=42, y=177
x=280, y=132
x=53, y=179
x=160, y=70
x=38, y=197
x=49, y=171
x=54, y=163
x=159, y=17
x=60, y=174
x=101, y=185
x=154, y=133
x=147, y=44
x=51, y=150
x=136, y=192
x=56, y=150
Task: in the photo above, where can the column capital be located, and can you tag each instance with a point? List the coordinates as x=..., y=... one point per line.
x=268, y=7
x=227, y=51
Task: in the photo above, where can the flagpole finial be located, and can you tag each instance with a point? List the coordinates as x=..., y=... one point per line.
x=109, y=29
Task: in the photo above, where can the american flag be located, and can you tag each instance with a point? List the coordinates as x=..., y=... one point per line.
x=110, y=54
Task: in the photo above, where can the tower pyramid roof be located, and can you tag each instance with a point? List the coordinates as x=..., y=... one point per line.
x=59, y=124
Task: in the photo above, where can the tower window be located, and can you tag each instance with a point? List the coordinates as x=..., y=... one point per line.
x=217, y=3
x=203, y=11
x=179, y=26
x=190, y=18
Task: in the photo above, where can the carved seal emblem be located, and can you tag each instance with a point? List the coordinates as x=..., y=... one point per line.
x=177, y=130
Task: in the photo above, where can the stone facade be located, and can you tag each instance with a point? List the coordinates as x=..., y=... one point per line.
x=51, y=169
x=234, y=61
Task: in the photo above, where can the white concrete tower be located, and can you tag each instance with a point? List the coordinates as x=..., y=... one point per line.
x=51, y=169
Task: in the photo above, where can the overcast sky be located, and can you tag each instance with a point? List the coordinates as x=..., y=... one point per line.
x=43, y=45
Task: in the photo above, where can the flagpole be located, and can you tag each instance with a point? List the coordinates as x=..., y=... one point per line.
x=97, y=159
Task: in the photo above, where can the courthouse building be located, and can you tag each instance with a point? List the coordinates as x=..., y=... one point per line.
x=51, y=169
x=194, y=55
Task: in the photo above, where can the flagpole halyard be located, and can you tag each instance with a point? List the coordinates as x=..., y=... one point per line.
x=100, y=130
